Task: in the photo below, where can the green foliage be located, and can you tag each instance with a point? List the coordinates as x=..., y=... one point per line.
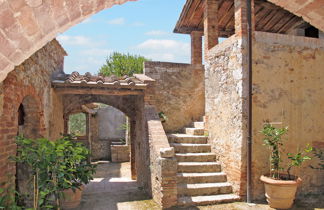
x=77, y=124
x=298, y=158
x=8, y=198
x=122, y=64
x=55, y=166
x=273, y=139
x=319, y=154
x=163, y=117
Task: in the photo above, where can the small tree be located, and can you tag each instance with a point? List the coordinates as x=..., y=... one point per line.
x=55, y=166
x=123, y=64
x=273, y=139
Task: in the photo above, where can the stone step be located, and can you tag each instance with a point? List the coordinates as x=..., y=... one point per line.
x=185, y=138
x=195, y=131
x=198, y=125
x=207, y=199
x=192, y=178
x=191, y=148
x=204, y=189
x=198, y=167
x=117, y=143
x=195, y=157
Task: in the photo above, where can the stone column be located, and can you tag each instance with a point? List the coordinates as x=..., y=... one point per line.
x=241, y=17
x=210, y=24
x=133, y=145
x=196, y=47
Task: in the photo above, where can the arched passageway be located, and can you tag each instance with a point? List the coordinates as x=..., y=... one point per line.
x=126, y=95
x=103, y=129
x=29, y=126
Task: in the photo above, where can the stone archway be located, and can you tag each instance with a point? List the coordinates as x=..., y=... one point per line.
x=131, y=105
x=29, y=118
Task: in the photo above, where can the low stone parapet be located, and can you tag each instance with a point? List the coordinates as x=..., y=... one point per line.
x=120, y=153
x=162, y=161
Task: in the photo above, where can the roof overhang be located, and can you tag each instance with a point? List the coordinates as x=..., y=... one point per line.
x=268, y=18
x=97, y=85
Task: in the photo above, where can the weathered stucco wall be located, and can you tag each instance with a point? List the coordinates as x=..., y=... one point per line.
x=30, y=84
x=110, y=122
x=224, y=80
x=179, y=92
x=288, y=87
x=106, y=126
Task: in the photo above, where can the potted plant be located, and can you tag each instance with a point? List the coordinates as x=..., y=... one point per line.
x=74, y=169
x=280, y=188
x=56, y=167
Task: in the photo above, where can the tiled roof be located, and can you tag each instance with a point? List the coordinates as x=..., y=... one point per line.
x=76, y=79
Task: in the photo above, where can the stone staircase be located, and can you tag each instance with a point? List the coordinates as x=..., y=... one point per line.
x=200, y=179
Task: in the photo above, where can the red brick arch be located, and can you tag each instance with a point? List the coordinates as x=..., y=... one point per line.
x=16, y=93
x=27, y=25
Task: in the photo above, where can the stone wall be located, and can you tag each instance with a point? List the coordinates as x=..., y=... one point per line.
x=110, y=121
x=226, y=121
x=162, y=163
x=106, y=127
x=30, y=84
x=288, y=87
x=120, y=153
x=179, y=92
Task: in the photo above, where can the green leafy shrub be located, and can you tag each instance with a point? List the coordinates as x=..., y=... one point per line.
x=273, y=139
x=55, y=166
x=77, y=124
x=8, y=197
x=163, y=117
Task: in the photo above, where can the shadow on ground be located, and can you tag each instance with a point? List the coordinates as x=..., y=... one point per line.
x=112, y=189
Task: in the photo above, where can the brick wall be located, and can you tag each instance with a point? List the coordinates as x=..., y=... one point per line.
x=179, y=92
x=29, y=84
x=163, y=165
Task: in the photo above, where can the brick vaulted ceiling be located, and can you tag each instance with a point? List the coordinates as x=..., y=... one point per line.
x=27, y=25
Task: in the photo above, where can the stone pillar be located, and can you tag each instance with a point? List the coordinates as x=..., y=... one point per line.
x=196, y=47
x=133, y=145
x=168, y=182
x=127, y=131
x=210, y=24
x=241, y=17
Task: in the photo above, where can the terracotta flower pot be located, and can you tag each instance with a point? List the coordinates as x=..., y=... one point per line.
x=280, y=194
x=71, y=199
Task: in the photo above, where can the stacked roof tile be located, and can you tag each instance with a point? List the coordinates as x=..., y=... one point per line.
x=88, y=79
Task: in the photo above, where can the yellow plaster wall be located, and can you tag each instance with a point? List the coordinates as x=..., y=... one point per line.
x=288, y=87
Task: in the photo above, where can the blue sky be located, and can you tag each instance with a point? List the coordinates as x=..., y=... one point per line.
x=142, y=27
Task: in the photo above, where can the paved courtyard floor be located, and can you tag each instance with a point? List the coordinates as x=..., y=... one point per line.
x=113, y=189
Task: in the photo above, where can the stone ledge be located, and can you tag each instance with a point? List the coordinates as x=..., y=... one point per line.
x=289, y=40
x=167, y=152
